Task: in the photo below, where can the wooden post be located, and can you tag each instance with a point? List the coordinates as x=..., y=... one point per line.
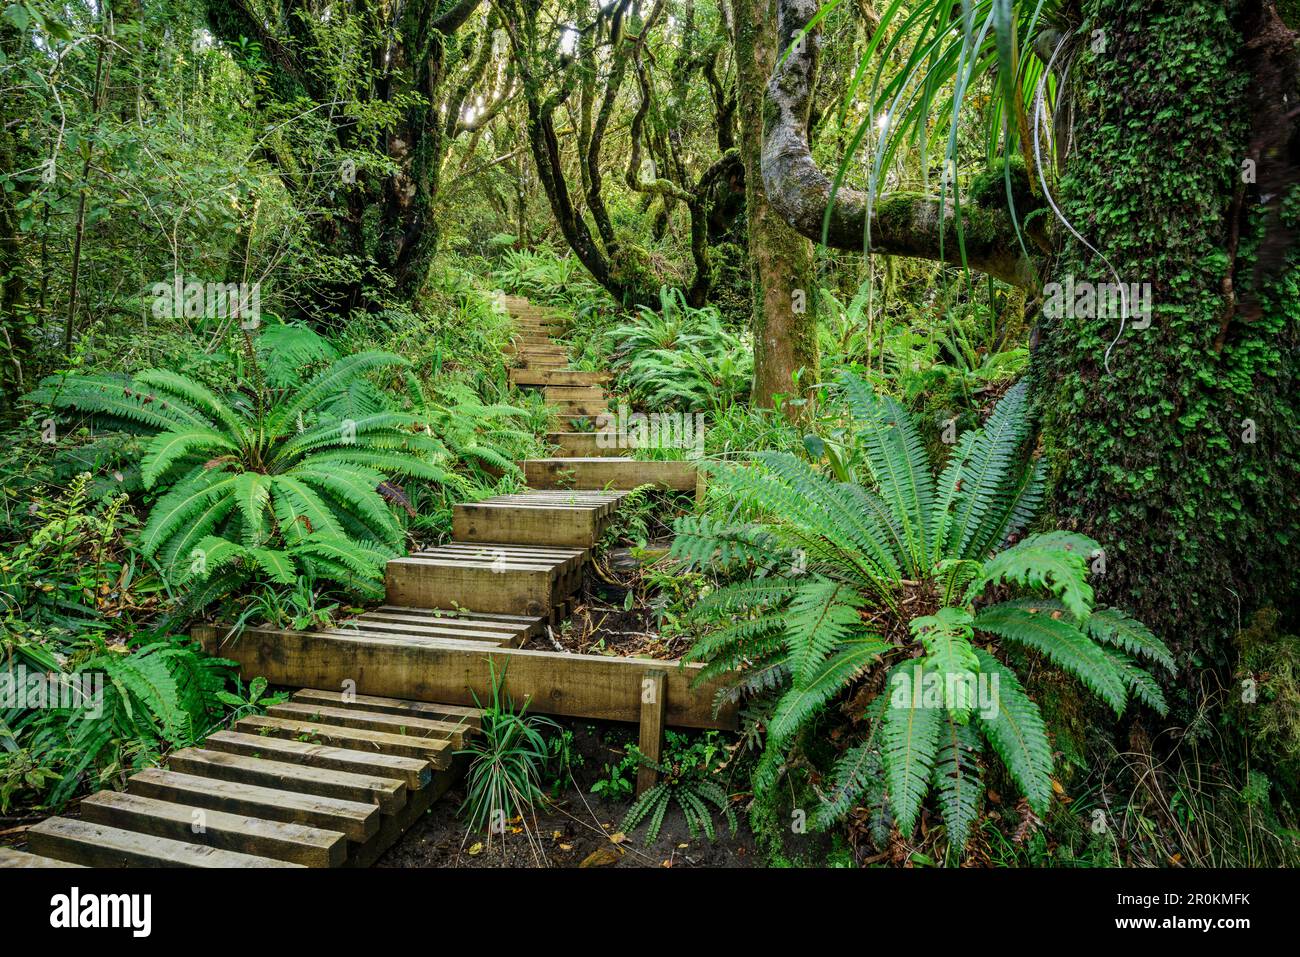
x=653, y=706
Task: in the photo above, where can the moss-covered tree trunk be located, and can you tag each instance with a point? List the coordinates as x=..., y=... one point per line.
x=1182, y=458
x=781, y=260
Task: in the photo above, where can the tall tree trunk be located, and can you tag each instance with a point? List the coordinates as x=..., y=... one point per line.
x=1174, y=444
x=1183, y=458
x=781, y=260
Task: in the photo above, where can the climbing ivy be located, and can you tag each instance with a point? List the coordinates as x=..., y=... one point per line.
x=1178, y=457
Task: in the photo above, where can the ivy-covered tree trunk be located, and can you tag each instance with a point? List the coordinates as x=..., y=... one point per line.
x=1183, y=458
x=781, y=260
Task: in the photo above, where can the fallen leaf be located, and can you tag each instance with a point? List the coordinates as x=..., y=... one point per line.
x=566, y=847
x=683, y=845
x=618, y=838
x=602, y=857
x=476, y=848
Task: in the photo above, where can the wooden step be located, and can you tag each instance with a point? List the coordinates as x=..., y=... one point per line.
x=462, y=636
x=414, y=772
x=604, y=444
x=579, y=408
x=573, y=393
x=544, y=377
x=487, y=577
x=355, y=627
x=98, y=845
x=620, y=473
x=388, y=793
x=516, y=631
x=295, y=843
x=544, y=362
x=357, y=820
x=543, y=522
x=470, y=717
x=456, y=732
x=13, y=859
x=438, y=752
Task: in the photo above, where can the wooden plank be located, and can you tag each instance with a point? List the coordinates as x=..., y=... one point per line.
x=355, y=819
x=534, y=524
x=573, y=393
x=413, y=772
x=528, y=377
x=454, y=731
x=296, y=843
x=653, y=706
x=430, y=618
x=468, y=643
x=475, y=586
x=433, y=711
x=13, y=859
x=591, y=444
x=437, y=752
x=388, y=793
x=98, y=845
x=624, y=473
x=530, y=620
x=580, y=686
x=383, y=626
x=579, y=408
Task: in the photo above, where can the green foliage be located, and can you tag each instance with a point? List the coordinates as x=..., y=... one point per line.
x=835, y=560
x=270, y=485
x=507, y=756
x=158, y=695
x=686, y=778
x=682, y=357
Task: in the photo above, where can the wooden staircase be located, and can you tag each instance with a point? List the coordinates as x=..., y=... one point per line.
x=589, y=459
x=325, y=779
x=328, y=779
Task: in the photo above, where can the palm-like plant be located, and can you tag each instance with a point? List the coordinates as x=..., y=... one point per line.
x=268, y=481
x=834, y=563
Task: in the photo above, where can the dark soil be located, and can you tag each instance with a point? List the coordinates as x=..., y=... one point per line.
x=577, y=828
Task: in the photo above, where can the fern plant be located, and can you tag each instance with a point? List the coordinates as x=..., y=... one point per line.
x=833, y=568
x=159, y=695
x=683, y=356
x=264, y=482
x=685, y=783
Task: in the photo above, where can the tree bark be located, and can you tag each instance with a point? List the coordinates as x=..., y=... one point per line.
x=781, y=260
x=896, y=224
x=1182, y=459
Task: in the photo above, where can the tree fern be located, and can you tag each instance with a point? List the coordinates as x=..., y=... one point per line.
x=292, y=486
x=893, y=538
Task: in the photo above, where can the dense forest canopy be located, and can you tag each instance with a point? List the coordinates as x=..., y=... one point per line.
x=976, y=297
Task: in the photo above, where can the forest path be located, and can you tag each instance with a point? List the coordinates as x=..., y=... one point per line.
x=332, y=778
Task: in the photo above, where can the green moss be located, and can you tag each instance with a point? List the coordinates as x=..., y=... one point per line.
x=1150, y=457
x=989, y=188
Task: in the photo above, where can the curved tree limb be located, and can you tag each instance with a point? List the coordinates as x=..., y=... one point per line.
x=898, y=224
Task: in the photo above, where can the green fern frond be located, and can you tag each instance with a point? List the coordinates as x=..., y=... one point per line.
x=1045, y=626
x=1112, y=627
x=1053, y=561
x=821, y=617
x=899, y=466
x=825, y=680
x=1015, y=730
x=958, y=786
x=909, y=737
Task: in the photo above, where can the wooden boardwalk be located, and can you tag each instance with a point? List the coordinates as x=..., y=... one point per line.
x=333, y=777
